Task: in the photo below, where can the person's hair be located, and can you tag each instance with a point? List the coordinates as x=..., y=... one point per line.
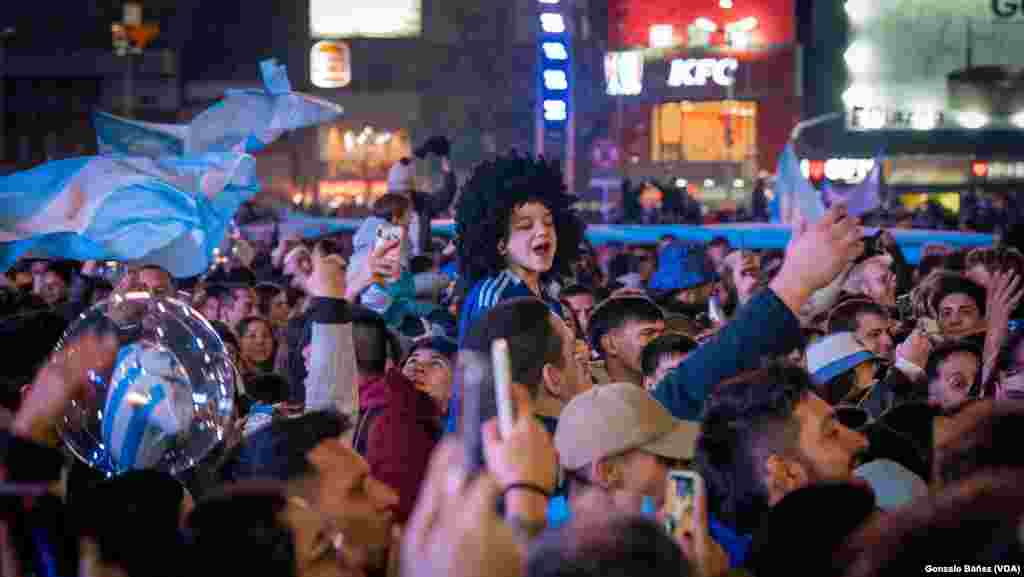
x=421, y=264
x=265, y=294
x=489, y=198
x=746, y=421
x=845, y=316
x=930, y=263
x=575, y=290
x=132, y=518
x=374, y=344
x=267, y=388
x=956, y=284
x=241, y=529
x=946, y=350
x=616, y=312
x=974, y=521
x=225, y=333
x=161, y=270
x=525, y=323
x=230, y=295
x=391, y=207
x=773, y=547
x=719, y=241
x=663, y=346
x=278, y=451
x=996, y=259
x=607, y=546
x=855, y=280
x=64, y=269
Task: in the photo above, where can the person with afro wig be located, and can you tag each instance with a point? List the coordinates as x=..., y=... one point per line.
x=516, y=234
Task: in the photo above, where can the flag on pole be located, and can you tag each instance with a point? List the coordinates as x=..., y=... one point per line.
x=243, y=121
x=794, y=195
x=170, y=211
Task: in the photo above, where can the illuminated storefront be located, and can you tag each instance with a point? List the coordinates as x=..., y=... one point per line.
x=705, y=93
x=933, y=88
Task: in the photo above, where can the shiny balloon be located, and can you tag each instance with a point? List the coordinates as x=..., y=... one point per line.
x=169, y=398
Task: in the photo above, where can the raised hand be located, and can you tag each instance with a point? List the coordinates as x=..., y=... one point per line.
x=328, y=277
x=454, y=530
x=816, y=254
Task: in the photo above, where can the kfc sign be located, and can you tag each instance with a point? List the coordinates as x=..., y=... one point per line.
x=699, y=71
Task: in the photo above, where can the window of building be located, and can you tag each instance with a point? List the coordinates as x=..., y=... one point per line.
x=717, y=131
x=365, y=18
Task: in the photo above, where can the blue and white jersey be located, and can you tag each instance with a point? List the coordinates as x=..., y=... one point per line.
x=489, y=292
x=484, y=295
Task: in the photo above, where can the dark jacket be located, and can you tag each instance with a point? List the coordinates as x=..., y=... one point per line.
x=763, y=328
x=429, y=206
x=397, y=431
x=893, y=389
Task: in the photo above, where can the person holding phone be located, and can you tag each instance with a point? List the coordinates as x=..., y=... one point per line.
x=620, y=441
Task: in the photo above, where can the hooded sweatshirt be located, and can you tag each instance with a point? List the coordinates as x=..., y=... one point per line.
x=397, y=430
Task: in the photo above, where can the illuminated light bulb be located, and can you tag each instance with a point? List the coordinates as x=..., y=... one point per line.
x=552, y=23
x=555, y=51
x=972, y=119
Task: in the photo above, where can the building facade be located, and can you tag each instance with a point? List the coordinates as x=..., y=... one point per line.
x=701, y=94
x=931, y=89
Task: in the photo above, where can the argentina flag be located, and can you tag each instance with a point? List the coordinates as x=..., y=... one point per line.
x=243, y=121
x=171, y=212
x=795, y=197
x=148, y=405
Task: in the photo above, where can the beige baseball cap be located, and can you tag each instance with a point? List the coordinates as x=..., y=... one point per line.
x=611, y=419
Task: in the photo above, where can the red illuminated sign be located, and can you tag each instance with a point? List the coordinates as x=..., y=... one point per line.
x=979, y=168
x=747, y=26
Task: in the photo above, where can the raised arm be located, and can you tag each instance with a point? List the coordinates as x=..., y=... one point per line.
x=769, y=324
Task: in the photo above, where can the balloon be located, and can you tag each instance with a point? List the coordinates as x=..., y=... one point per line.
x=167, y=400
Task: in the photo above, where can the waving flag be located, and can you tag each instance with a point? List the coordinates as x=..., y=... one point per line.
x=860, y=198
x=171, y=211
x=794, y=195
x=243, y=121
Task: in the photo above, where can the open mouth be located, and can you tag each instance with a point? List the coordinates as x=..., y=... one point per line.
x=543, y=249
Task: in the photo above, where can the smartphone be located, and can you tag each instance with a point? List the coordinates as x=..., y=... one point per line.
x=685, y=489
x=715, y=313
x=503, y=387
x=387, y=233
x=473, y=377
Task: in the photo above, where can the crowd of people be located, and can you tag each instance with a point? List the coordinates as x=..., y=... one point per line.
x=846, y=412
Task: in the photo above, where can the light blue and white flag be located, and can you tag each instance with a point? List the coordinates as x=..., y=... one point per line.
x=171, y=211
x=243, y=121
x=862, y=197
x=149, y=403
x=795, y=196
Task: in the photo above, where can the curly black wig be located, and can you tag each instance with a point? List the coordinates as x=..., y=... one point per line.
x=495, y=189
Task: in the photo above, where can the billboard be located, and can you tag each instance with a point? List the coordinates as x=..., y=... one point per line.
x=924, y=65
x=725, y=26
x=365, y=18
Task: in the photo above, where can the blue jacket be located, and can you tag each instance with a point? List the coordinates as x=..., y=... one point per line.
x=764, y=327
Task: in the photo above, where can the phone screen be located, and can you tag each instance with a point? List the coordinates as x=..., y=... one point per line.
x=503, y=386
x=680, y=500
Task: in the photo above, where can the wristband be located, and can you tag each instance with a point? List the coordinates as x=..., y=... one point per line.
x=527, y=487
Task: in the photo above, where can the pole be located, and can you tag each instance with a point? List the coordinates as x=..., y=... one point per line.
x=570, y=142
x=129, y=87
x=4, y=35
